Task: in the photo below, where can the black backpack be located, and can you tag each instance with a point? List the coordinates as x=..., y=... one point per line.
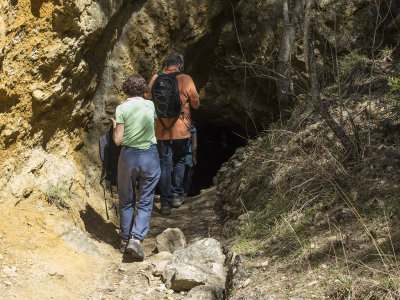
x=165, y=95
x=109, y=155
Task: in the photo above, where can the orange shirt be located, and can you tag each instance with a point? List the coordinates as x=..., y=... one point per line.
x=181, y=128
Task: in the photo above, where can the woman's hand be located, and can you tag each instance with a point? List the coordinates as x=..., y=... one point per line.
x=118, y=132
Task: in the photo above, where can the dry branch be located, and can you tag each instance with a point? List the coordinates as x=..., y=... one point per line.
x=315, y=88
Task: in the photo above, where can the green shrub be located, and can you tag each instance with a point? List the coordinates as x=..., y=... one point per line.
x=386, y=54
x=58, y=194
x=394, y=94
x=354, y=67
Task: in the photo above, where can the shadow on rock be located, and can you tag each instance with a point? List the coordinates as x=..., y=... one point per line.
x=98, y=228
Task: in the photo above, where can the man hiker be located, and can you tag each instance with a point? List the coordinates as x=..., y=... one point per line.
x=134, y=130
x=173, y=133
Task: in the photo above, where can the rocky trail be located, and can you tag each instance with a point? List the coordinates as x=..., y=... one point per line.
x=66, y=263
x=302, y=218
x=127, y=279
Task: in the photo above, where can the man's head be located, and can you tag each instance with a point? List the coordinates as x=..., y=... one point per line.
x=174, y=60
x=135, y=85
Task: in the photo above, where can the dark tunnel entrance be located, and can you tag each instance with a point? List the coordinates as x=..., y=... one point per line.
x=215, y=146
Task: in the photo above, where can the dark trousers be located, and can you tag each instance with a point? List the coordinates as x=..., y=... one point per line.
x=172, y=162
x=136, y=164
x=187, y=179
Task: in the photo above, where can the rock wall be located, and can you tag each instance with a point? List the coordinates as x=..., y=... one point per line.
x=47, y=80
x=207, y=33
x=63, y=62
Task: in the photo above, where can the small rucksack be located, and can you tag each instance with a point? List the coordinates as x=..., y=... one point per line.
x=165, y=95
x=109, y=155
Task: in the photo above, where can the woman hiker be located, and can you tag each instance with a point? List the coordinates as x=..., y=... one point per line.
x=139, y=160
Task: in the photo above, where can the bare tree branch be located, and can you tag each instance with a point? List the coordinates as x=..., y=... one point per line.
x=284, y=82
x=315, y=88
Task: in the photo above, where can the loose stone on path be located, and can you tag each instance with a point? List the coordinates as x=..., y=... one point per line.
x=204, y=292
x=202, y=263
x=159, y=261
x=170, y=240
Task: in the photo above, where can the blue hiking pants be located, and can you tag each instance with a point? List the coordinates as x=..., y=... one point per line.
x=143, y=165
x=172, y=162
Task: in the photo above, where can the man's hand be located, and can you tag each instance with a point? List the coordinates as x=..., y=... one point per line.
x=194, y=158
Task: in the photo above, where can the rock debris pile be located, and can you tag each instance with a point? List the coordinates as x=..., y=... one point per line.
x=198, y=268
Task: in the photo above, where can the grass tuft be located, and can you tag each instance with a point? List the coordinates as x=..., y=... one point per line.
x=58, y=195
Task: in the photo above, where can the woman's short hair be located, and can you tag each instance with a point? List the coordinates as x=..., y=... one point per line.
x=135, y=85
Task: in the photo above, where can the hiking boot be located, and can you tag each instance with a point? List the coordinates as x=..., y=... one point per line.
x=183, y=198
x=134, y=249
x=176, y=200
x=122, y=248
x=165, y=208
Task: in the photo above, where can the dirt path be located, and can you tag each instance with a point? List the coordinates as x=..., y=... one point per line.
x=44, y=256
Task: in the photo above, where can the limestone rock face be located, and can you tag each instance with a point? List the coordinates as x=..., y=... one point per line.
x=351, y=22
x=170, y=240
x=46, y=73
x=47, y=77
x=37, y=171
x=202, y=263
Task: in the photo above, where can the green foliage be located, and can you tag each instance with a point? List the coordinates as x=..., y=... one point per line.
x=394, y=94
x=354, y=66
x=386, y=54
x=58, y=194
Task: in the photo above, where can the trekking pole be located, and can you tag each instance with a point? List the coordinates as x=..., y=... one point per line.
x=112, y=197
x=115, y=206
x=105, y=202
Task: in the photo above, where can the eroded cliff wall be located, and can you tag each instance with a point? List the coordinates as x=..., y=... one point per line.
x=63, y=62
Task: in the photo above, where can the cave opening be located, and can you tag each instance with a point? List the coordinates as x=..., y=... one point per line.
x=216, y=144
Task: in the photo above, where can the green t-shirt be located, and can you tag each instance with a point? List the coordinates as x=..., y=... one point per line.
x=138, y=115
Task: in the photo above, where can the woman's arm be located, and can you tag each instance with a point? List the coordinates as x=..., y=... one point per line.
x=118, y=132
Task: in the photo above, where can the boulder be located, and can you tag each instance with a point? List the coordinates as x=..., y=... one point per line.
x=159, y=261
x=202, y=263
x=79, y=241
x=206, y=292
x=170, y=240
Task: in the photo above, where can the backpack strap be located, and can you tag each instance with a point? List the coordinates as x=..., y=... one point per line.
x=176, y=119
x=102, y=151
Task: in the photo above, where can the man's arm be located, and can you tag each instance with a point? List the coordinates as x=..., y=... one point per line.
x=194, y=142
x=152, y=81
x=196, y=105
x=192, y=93
x=194, y=97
